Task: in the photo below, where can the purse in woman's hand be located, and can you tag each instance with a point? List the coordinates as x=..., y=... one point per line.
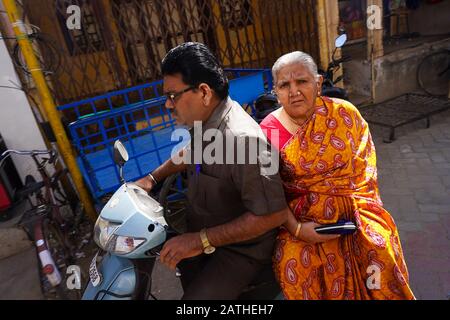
x=341, y=227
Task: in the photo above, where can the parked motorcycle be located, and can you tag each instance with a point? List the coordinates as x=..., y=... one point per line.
x=328, y=87
x=265, y=104
x=131, y=230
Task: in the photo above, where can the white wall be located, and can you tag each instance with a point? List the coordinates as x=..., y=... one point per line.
x=18, y=126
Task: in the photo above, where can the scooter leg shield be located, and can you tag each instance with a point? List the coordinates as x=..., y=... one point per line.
x=118, y=280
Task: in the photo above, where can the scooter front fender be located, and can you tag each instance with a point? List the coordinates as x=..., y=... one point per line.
x=118, y=280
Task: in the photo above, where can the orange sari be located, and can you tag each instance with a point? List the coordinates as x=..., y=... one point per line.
x=329, y=173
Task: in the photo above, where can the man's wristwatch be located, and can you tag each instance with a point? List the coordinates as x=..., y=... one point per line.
x=207, y=247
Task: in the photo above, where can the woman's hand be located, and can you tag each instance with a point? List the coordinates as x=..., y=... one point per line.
x=307, y=232
x=309, y=235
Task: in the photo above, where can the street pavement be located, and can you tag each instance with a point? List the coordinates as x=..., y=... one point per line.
x=414, y=181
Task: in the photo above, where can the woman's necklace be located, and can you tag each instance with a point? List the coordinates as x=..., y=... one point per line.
x=298, y=126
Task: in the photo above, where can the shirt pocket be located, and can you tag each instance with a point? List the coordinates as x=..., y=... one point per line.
x=217, y=195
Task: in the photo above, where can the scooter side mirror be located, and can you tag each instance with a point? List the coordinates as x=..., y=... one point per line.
x=120, y=153
x=341, y=40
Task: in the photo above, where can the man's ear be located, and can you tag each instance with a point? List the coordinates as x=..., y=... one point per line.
x=206, y=92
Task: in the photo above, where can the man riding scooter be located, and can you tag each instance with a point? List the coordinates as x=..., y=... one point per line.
x=235, y=207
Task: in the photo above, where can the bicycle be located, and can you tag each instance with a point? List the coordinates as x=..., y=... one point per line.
x=433, y=73
x=51, y=232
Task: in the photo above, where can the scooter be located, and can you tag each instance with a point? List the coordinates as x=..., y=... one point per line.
x=328, y=86
x=131, y=230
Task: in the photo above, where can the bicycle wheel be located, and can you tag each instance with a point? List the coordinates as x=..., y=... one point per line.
x=47, y=48
x=433, y=73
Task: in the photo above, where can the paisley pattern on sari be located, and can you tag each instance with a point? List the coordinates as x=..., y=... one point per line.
x=329, y=172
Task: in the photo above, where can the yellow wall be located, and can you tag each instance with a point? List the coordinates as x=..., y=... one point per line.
x=241, y=34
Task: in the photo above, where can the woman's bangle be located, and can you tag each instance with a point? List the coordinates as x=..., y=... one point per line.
x=297, y=231
x=155, y=182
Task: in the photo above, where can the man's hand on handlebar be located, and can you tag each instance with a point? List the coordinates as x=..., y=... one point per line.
x=167, y=169
x=181, y=247
x=145, y=183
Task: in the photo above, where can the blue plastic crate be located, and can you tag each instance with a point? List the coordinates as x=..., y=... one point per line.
x=137, y=116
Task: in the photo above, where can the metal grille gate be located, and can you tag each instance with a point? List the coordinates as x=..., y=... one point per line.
x=122, y=42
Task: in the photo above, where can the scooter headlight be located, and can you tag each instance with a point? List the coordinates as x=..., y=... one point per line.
x=106, y=239
x=103, y=231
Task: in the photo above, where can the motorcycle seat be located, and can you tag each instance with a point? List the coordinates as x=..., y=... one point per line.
x=263, y=287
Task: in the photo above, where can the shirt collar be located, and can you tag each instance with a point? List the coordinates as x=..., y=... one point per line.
x=218, y=115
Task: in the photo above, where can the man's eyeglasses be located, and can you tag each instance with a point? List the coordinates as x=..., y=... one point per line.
x=173, y=95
